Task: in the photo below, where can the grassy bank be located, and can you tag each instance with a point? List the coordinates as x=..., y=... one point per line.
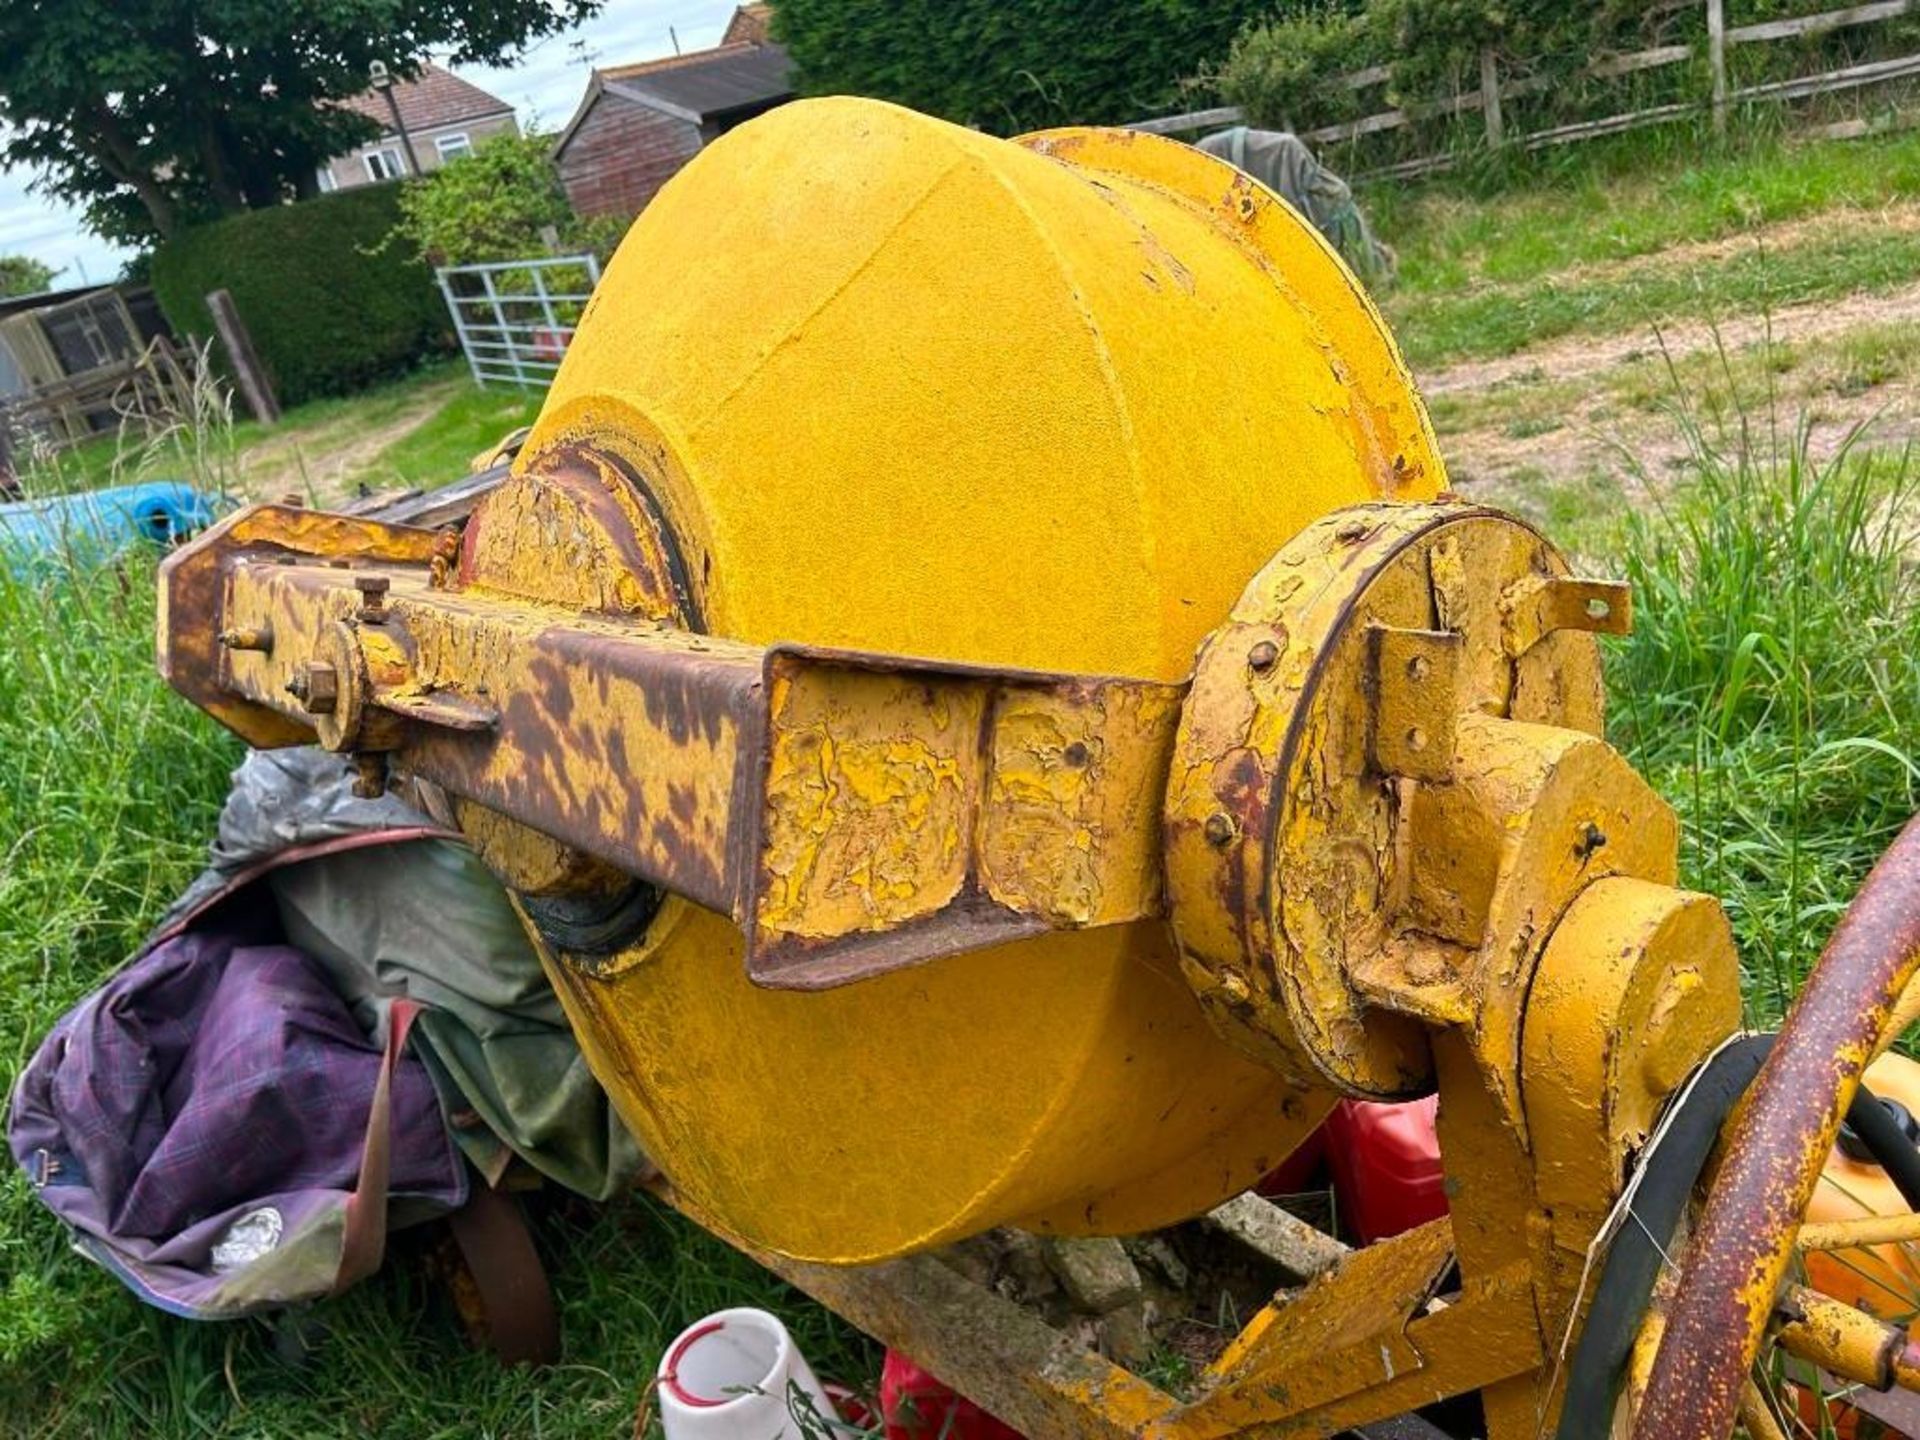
x=1652, y=228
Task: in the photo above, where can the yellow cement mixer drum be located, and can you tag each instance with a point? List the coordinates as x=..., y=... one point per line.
x=873, y=381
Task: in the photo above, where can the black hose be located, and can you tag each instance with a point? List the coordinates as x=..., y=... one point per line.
x=1892, y=1148
x=1669, y=1171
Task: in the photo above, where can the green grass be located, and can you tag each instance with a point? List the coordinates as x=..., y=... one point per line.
x=1636, y=197
x=1442, y=327
x=1771, y=689
x=439, y=451
x=258, y=461
x=109, y=788
x=1488, y=265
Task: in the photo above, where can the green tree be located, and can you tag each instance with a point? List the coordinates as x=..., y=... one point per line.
x=501, y=201
x=490, y=204
x=24, y=275
x=155, y=114
x=1012, y=65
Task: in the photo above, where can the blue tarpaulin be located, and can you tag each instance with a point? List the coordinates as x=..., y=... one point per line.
x=97, y=524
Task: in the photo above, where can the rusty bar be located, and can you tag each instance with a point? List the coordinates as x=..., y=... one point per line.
x=854, y=813
x=1839, y=1339
x=1740, y=1251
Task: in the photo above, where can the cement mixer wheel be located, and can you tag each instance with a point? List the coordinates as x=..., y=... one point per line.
x=1732, y=1297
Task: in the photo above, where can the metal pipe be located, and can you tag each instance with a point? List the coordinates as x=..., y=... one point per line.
x=1839, y=1339
x=1862, y=1232
x=1745, y=1239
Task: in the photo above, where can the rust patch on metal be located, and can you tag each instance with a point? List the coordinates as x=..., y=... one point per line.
x=914, y=809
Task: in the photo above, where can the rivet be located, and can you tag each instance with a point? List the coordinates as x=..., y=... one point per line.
x=1351, y=531
x=1262, y=656
x=1416, y=739
x=1075, y=754
x=1419, y=667
x=1220, y=829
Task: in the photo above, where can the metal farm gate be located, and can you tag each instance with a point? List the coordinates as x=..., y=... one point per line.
x=515, y=317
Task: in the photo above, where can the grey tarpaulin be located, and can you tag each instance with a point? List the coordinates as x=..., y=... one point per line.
x=1283, y=163
x=422, y=917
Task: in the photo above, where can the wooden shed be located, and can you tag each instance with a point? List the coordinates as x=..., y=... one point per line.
x=638, y=124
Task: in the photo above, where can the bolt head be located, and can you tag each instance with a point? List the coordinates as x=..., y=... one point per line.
x=321, y=684
x=1220, y=830
x=1263, y=656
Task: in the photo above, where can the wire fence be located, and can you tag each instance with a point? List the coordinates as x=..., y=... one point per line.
x=515, y=318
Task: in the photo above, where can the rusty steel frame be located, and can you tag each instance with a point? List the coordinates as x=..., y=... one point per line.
x=706, y=748
x=1740, y=1251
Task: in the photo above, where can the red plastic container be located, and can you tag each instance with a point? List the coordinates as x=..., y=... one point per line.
x=916, y=1406
x=1386, y=1166
x=1300, y=1171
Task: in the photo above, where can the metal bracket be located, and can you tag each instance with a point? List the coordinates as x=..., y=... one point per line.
x=1541, y=604
x=1415, y=694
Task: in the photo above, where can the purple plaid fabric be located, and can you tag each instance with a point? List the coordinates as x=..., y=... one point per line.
x=209, y=1074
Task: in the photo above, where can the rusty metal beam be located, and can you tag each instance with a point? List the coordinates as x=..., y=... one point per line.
x=854, y=813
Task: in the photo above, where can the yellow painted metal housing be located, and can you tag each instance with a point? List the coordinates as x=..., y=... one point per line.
x=899, y=386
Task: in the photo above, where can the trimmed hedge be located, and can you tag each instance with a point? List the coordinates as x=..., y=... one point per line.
x=1013, y=65
x=331, y=306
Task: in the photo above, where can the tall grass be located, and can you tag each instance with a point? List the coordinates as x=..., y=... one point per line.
x=1771, y=688
x=109, y=788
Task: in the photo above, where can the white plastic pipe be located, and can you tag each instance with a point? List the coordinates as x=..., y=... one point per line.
x=737, y=1376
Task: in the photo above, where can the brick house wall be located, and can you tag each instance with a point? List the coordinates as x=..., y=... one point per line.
x=345, y=172
x=621, y=153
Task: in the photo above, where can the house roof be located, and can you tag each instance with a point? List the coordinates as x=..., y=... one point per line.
x=708, y=83
x=699, y=86
x=432, y=100
x=16, y=304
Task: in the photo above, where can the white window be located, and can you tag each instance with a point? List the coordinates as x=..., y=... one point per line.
x=327, y=183
x=452, y=146
x=384, y=164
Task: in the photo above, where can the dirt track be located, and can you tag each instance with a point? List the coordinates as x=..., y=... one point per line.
x=1584, y=440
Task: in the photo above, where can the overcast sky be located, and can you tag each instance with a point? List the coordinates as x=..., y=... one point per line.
x=545, y=84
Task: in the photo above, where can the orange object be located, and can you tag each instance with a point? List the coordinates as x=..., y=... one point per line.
x=1883, y=1280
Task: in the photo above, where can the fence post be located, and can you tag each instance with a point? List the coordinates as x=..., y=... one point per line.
x=1717, y=59
x=247, y=369
x=1490, y=97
